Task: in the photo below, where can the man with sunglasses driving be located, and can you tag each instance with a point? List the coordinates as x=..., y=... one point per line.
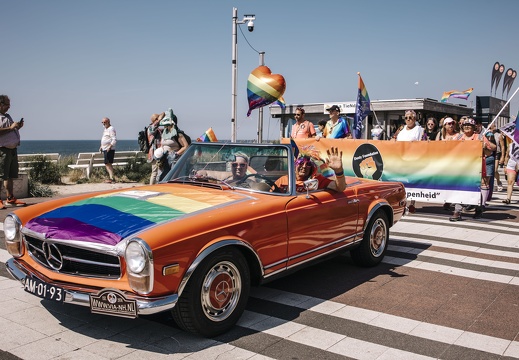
x=239, y=168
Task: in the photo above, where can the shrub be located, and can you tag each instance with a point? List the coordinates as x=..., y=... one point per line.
x=44, y=171
x=39, y=190
x=136, y=170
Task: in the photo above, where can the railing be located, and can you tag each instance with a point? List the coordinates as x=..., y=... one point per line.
x=25, y=161
x=88, y=161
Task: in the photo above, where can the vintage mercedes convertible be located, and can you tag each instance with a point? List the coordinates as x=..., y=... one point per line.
x=195, y=243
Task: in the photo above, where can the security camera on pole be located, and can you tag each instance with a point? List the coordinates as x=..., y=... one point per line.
x=249, y=19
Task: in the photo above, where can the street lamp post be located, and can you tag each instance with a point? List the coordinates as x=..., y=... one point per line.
x=250, y=25
x=260, y=110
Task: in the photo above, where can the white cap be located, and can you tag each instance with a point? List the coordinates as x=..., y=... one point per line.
x=158, y=153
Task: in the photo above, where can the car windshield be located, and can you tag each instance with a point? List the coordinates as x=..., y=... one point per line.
x=254, y=167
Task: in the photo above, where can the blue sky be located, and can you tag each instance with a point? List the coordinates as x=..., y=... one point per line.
x=66, y=64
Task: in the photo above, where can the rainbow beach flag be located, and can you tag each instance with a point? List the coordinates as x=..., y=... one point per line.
x=208, y=136
x=456, y=94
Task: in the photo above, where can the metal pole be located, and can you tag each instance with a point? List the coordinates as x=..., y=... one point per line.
x=234, y=72
x=260, y=111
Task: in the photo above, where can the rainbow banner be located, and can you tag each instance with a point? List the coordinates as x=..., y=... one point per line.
x=128, y=212
x=208, y=136
x=426, y=176
x=456, y=94
x=362, y=109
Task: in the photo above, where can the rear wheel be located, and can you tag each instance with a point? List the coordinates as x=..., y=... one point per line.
x=215, y=296
x=373, y=247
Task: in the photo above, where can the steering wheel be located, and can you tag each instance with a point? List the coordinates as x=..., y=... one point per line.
x=265, y=179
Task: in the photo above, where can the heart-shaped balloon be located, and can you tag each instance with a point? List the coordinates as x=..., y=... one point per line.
x=264, y=88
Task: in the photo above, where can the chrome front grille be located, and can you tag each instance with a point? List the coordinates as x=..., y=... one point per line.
x=73, y=260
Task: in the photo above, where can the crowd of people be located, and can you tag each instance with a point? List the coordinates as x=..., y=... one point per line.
x=495, y=153
x=167, y=143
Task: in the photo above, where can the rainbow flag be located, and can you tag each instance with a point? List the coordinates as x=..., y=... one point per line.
x=110, y=218
x=208, y=136
x=362, y=109
x=456, y=94
x=281, y=102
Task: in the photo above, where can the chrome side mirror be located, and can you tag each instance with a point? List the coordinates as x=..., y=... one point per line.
x=310, y=185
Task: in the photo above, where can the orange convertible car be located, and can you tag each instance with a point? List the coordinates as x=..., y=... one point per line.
x=195, y=243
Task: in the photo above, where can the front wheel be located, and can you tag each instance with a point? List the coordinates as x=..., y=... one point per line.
x=215, y=296
x=373, y=247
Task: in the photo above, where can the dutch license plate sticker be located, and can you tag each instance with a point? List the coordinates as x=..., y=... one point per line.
x=44, y=290
x=113, y=302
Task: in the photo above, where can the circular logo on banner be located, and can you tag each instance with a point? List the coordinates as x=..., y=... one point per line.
x=367, y=162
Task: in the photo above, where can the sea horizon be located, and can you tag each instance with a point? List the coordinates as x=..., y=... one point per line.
x=70, y=147
x=74, y=147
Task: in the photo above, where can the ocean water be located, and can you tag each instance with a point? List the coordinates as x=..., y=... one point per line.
x=70, y=147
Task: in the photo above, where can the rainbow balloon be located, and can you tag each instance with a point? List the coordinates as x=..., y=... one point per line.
x=264, y=88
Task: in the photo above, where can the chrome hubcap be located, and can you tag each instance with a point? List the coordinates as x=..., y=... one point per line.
x=221, y=291
x=378, y=237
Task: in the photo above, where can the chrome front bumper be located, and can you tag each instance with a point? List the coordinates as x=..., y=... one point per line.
x=145, y=306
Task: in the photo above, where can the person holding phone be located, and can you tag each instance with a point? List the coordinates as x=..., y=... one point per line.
x=9, y=142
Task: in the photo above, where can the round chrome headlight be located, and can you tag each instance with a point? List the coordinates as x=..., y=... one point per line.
x=135, y=257
x=10, y=228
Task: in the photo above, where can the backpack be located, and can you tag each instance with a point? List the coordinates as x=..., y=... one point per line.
x=186, y=136
x=142, y=139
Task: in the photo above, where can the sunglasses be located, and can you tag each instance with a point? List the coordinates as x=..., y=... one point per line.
x=409, y=117
x=235, y=165
x=297, y=114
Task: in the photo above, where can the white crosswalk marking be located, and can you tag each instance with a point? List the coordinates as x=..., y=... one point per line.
x=381, y=320
x=422, y=242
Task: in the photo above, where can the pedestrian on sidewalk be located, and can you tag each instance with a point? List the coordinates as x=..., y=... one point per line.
x=108, y=141
x=512, y=167
x=9, y=142
x=469, y=133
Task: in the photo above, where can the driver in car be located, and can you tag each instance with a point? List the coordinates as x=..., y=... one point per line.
x=239, y=172
x=307, y=169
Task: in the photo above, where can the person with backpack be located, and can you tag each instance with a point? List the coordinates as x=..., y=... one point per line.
x=173, y=144
x=153, y=136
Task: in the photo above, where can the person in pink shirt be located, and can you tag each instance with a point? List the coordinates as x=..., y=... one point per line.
x=302, y=129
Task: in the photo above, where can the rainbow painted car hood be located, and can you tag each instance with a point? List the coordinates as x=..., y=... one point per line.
x=109, y=218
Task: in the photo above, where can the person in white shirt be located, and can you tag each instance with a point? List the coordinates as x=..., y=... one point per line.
x=411, y=131
x=107, y=147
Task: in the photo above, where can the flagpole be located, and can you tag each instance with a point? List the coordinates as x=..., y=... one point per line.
x=500, y=111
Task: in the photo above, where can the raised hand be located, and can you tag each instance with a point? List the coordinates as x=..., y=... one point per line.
x=334, y=160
